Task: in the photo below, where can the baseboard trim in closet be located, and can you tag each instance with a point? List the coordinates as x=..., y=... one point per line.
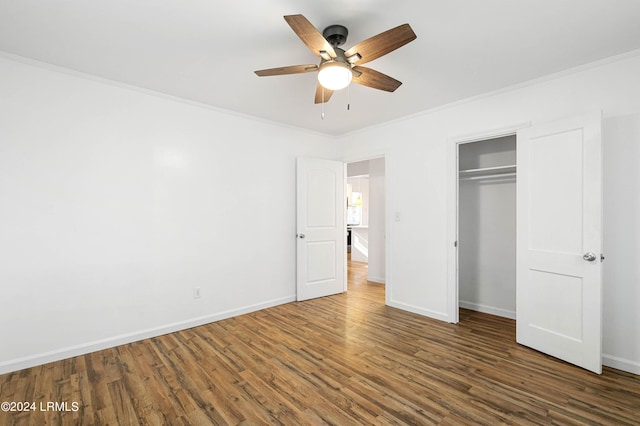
x=487, y=309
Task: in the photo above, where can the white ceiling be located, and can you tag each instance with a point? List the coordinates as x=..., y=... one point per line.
x=206, y=51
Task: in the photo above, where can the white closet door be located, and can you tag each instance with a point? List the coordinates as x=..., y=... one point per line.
x=559, y=271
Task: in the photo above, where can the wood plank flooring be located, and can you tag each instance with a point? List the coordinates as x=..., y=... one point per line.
x=342, y=360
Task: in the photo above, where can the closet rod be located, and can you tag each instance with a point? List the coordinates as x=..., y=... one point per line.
x=495, y=176
x=487, y=169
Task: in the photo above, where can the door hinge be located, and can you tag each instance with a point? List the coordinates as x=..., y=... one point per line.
x=601, y=257
x=455, y=244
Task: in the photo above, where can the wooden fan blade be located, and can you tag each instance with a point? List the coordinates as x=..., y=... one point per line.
x=309, y=35
x=320, y=97
x=375, y=79
x=294, y=69
x=381, y=44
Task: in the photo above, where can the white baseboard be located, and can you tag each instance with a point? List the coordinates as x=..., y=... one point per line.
x=621, y=364
x=376, y=279
x=487, y=309
x=85, y=348
x=442, y=316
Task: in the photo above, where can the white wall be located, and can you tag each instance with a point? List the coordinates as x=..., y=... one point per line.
x=417, y=168
x=487, y=247
x=358, y=168
x=116, y=204
x=360, y=244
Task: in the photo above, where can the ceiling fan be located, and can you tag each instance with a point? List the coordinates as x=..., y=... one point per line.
x=338, y=68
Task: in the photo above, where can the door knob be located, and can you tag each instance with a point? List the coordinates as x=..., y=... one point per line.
x=301, y=236
x=590, y=257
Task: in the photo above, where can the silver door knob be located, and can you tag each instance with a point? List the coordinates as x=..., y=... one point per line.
x=590, y=257
x=301, y=236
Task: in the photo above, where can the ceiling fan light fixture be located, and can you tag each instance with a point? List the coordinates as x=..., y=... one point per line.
x=335, y=75
x=338, y=67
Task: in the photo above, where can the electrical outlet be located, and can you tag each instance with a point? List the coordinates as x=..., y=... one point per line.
x=196, y=293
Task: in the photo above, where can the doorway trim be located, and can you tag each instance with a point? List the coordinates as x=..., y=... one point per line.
x=452, y=206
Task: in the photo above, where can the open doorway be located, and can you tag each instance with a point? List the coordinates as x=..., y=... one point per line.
x=487, y=226
x=366, y=220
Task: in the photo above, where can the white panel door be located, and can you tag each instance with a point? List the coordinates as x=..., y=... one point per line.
x=321, y=228
x=559, y=242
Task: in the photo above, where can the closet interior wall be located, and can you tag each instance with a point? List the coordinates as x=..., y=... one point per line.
x=487, y=226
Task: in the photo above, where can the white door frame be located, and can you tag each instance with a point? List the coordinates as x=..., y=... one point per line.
x=452, y=207
x=387, y=223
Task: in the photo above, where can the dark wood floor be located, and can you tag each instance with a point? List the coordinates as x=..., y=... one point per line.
x=345, y=359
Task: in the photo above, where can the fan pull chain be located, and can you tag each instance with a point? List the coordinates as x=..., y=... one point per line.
x=349, y=98
x=322, y=115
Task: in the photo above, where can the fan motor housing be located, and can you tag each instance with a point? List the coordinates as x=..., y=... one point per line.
x=336, y=34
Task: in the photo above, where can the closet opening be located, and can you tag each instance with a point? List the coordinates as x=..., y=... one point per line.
x=486, y=217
